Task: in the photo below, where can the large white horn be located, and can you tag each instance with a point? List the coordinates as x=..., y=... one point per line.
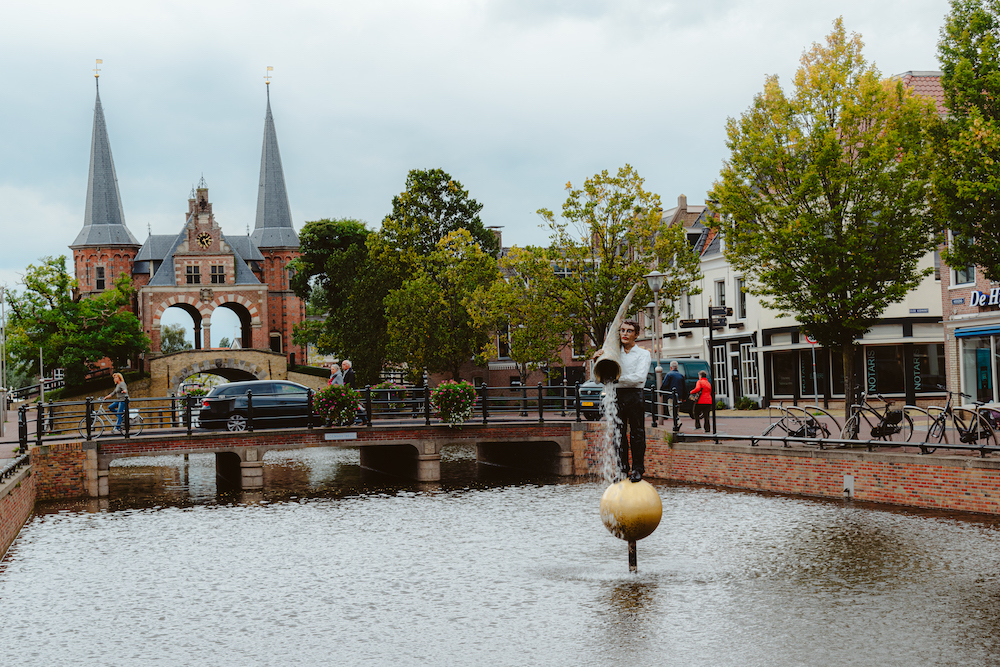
x=608, y=366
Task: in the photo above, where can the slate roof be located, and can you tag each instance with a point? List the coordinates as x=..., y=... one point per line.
x=154, y=248
x=103, y=219
x=273, y=227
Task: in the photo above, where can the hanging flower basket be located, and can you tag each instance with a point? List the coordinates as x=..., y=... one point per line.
x=337, y=404
x=454, y=401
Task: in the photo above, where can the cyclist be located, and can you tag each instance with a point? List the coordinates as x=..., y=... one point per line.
x=120, y=393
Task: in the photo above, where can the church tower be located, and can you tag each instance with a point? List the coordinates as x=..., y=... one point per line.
x=275, y=236
x=104, y=248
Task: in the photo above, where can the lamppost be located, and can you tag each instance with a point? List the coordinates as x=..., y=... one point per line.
x=655, y=282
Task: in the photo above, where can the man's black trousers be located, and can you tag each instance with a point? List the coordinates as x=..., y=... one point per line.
x=632, y=430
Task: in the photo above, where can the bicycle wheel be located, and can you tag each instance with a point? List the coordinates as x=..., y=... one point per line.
x=809, y=425
x=135, y=425
x=851, y=428
x=96, y=427
x=938, y=431
x=901, y=432
x=981, y=432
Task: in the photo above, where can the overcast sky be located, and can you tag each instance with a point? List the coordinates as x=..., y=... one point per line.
x=512, y=97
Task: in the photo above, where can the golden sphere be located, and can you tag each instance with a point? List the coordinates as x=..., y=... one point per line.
x=631, y=510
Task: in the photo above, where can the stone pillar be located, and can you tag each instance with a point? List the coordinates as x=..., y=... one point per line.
x=428, y=468
x=251, y=470
x=564, y=464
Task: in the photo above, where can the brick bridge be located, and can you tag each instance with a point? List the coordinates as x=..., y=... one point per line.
x=413, y=452
x=169, y=370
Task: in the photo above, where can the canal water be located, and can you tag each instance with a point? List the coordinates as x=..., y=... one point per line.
x=333, y=565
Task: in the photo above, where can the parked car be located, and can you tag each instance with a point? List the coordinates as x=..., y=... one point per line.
x=275, y=403
x=591, y=393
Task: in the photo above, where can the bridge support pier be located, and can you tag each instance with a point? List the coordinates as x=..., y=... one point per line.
x=420, y=462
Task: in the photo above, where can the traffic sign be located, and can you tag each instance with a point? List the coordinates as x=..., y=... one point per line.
x=810, y=339
x=720, y=311
x=693, y=324
x=718, y=322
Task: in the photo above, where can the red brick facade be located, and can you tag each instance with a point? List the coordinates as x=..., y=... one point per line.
x=17, y=498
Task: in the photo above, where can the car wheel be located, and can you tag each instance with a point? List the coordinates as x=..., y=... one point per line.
x=236, y=422
x=592, y=416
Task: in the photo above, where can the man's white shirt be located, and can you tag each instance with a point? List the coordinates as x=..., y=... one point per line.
x=635, y=367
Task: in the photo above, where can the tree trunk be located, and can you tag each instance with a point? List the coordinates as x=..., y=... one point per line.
x=848, y=354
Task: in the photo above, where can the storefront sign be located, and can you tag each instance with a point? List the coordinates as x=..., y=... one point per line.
x=983, y=299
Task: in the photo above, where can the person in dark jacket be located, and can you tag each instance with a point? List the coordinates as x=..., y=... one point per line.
x=674, y=382
x=348, y=368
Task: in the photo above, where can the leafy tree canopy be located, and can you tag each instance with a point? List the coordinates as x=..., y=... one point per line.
x=334, y=271
x=611, y=233
x=74, y=332
x=824, y=195
x=967, y=171
x=172, y=339
x=429, y=322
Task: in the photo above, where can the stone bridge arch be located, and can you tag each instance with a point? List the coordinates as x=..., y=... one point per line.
x=169, y=370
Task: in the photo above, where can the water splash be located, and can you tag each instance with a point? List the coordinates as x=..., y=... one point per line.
x=608, y=450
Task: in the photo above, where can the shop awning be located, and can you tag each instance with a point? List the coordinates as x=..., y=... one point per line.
x=980, y=331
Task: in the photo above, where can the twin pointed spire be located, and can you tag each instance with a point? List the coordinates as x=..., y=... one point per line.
x=104, y=219
x=273, y=228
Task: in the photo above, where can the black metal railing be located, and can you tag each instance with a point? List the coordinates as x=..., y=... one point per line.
x=15, y=464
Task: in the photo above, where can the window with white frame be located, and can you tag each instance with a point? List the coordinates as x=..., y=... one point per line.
x=748, y=362
x=720, y=293
x=719, y=370
x=964, y=276
x=741, y=299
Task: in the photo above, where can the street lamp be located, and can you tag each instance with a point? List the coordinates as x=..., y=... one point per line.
x=655, y=282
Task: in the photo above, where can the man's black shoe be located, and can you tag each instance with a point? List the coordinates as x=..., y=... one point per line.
x=636, y=476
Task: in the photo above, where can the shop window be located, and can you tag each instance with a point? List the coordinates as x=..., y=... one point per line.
x=218, y=275
x=719, y=371
x=884, y=369
x=806, y=372
x=100, y=277
x=977, y=379
x=928, y=368
x=748, y=362
x=783, y=372
x=192, y=273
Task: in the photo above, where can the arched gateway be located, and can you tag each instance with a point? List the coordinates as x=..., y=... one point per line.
x=169, y=370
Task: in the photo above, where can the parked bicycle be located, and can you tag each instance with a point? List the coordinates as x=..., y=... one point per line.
x=871, y=423
x=975, y=426
x=101, y=419
x=809, y=421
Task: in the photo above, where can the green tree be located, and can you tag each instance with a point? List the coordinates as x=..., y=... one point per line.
x=172, y=339
x=335, y=273
x=225, y=342
x=74, y=332
x=432, y=206
x=967, y=170
x=611, y=234
x=429, y=322
x=824, y=196
x=519, y=310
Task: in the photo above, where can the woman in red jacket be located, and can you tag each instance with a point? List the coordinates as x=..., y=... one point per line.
x=703, y=404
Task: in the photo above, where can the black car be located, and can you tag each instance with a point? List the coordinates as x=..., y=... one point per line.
x=591, y=393
x=275, y=403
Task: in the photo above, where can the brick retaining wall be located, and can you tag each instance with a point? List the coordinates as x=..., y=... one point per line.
x=962, y=483
x=59, y=470
x=17, y=498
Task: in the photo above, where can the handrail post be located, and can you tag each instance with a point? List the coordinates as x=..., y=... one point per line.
x=309, y=404
x=250, y=411
x=22, y=427
x=576, y=399
x=187, y=412
x=486, y=409
x=38, y=424
x=427, y=405
x=541, y=404
x=655, y=406
x=89, y=415
x=562, y=392
x=126, y=418
x=675, y=409
x=368, y=403
x=524, y=400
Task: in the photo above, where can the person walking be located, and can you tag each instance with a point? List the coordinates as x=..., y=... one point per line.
x=702, y=397
x=336, y=377
x=674, y=383
x=348, y=373
x=120, y=393
x=628, y=397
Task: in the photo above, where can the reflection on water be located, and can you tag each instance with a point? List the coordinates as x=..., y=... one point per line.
x=332, y=564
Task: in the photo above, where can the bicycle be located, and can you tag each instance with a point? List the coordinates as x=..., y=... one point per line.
x=807, y=422
x=979, y=426
x=887, y=424
x=101, y=419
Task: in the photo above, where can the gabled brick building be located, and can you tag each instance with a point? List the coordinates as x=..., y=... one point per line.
x=199, y=268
